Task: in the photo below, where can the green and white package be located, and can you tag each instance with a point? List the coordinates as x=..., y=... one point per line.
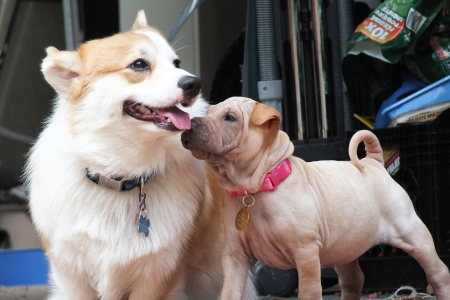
x=392, y=28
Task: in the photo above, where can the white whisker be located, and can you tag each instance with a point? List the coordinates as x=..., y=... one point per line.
x=183, y=47
x=176, y=41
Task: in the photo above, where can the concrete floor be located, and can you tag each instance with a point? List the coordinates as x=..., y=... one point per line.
x=34, y=292
x=39, y=292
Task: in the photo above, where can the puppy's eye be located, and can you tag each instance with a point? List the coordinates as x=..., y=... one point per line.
x=139, y=65
x=176, y=63
x=229, y=118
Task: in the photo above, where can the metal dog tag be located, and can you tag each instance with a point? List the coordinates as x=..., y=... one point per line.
x=242, y=218
x=143, y=224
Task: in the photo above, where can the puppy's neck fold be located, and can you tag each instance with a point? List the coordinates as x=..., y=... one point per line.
x=249, y=175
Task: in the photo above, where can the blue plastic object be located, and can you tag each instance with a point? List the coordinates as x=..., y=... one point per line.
x=23, y=267
x=402, y=101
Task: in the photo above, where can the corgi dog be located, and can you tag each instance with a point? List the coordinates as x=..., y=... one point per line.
x=122, y=209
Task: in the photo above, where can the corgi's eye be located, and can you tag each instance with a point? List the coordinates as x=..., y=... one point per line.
x=177, y=63
x=229, y=118
x=139, y=65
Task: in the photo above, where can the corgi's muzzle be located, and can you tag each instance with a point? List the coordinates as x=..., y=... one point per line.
x=168, y=118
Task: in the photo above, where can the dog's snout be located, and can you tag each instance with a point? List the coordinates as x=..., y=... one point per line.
x=190, y=85
x=191, y=135
x=185, y=139
x=195, y=122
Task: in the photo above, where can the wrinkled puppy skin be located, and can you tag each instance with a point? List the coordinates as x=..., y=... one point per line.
x=324, y=213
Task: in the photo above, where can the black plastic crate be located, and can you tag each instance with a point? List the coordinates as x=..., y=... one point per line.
x=425, y=173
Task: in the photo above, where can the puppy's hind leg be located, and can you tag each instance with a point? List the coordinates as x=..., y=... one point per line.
x=418, y=242
x=351, y=280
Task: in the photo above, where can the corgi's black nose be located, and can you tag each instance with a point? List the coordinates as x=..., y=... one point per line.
x=190, y=85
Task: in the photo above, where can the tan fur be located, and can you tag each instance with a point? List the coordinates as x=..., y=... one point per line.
x=262, y=114
x=325, y=213
x=100, y=57
x=266, y=118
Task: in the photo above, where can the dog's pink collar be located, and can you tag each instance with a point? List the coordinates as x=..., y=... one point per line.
x=272, y=179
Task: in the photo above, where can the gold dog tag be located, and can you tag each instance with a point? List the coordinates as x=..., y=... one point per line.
x=242, y=218
x=243, y=215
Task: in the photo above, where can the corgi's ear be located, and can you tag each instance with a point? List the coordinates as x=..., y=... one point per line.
x=60, y=68
x=265, y=116
x=140, y=22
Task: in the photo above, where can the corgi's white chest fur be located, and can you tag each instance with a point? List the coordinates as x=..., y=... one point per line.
x=99, y=213
x=72, y=210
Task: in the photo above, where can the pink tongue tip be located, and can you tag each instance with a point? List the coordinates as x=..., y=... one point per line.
x=179, y=118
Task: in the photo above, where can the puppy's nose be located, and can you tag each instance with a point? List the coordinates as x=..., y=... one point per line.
x=185, y=139
x=190, y=85
x=195, y=122
x=188, y=135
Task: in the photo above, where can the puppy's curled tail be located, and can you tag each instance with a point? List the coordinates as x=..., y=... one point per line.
x=372, y=146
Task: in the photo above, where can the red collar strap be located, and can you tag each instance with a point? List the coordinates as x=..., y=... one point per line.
x=272, y=179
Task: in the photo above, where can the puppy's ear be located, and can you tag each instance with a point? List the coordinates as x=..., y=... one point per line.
x=266, y=116
x=60, y=68
x=140, y=22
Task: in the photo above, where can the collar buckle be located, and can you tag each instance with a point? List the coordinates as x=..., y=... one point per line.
x=111, y=183
x=117, y=183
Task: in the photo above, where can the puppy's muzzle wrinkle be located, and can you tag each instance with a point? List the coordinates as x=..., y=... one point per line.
x=191, y=88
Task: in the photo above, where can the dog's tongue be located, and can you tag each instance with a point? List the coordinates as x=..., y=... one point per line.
x=179, y=118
